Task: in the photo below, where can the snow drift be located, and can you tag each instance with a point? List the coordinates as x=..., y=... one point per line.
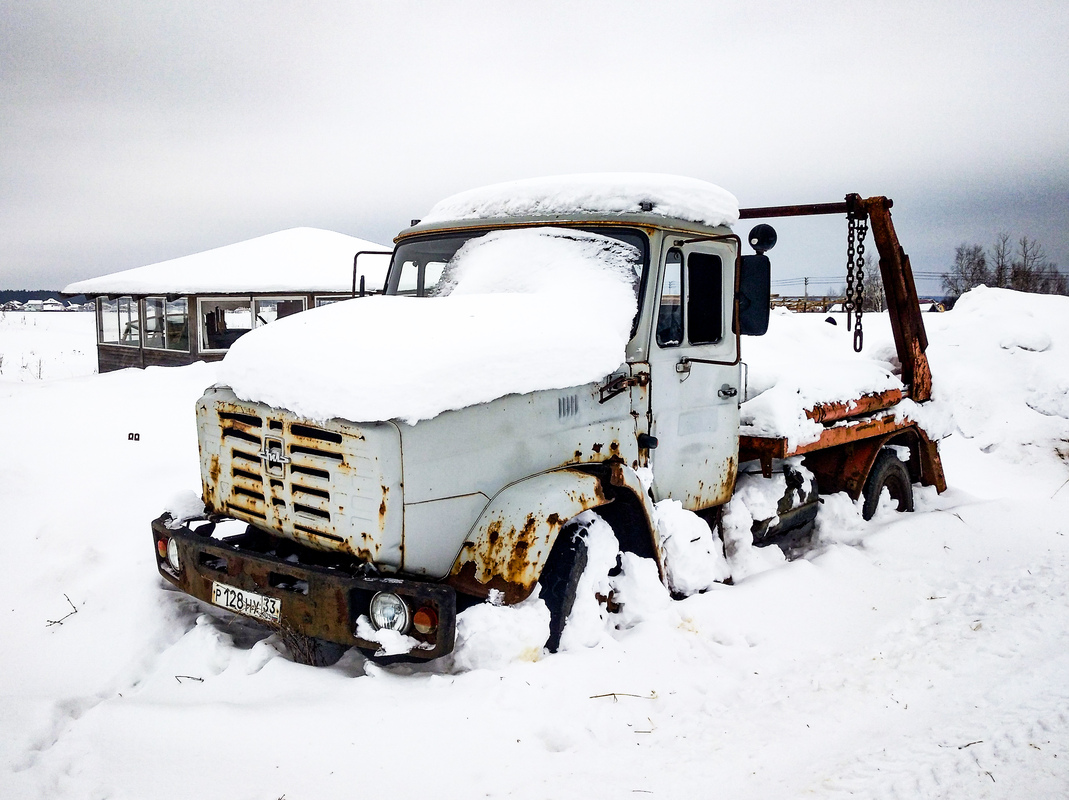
x=915, y=655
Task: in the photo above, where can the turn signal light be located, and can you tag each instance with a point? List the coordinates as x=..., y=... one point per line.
x=161, y=547
x=425, y=620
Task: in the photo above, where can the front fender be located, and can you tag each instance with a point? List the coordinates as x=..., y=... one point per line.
x=510, y=542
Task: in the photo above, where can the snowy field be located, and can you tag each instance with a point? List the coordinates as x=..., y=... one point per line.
x=916, y=655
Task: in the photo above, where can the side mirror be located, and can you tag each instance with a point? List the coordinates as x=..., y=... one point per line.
x=755, y=294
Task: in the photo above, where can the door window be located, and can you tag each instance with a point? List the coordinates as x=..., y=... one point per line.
x=670, y=312
x=705, y=298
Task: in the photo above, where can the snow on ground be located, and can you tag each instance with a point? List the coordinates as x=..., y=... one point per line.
x=38, y=346
x=920, y=655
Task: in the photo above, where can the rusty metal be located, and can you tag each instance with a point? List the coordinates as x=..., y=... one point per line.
x=279, y=472
x=866, y=404
x=765, y=449
x=806, y=210
x=322, y=595
x=616, y=385
x=903, y=305
x=843, y=455
x=509, y=545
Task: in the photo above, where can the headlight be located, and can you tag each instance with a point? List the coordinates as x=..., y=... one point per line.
x=389, y=611
x=172, y=555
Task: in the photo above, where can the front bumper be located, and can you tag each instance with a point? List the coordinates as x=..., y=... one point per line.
x=317, y=599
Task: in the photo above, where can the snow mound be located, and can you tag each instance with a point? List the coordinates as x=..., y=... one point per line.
x=504, y=324
x=493, y=636
x=693, y=558
x=1018, y=403
x=604, y=193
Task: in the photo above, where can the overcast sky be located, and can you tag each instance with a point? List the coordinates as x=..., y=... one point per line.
x=134, y=132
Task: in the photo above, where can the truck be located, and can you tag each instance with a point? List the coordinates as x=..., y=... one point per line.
x=340, y=532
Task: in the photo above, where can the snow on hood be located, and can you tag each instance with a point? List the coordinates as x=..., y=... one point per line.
x=606, y=193
x=518, y=311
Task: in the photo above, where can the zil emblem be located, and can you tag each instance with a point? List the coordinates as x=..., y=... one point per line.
x=274, y=456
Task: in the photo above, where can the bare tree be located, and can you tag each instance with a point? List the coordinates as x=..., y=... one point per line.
x=875, y=298
x=1026, y=268
x=1028, y=262
x=1001, y=261
x=969, y=270
x=1032, y=271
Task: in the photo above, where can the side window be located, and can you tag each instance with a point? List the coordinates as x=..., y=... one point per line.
x=705, y=298
x=670, y=313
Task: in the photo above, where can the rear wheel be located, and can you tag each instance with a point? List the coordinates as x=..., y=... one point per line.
x=888, y=472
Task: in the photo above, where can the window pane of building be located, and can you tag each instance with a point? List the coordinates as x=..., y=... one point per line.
x=224, y=321
x=154, y=322
x=176, y=328
x=119, y=321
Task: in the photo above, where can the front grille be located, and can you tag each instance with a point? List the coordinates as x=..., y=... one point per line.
x=323, y=484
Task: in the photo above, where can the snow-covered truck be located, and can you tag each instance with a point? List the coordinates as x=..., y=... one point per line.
x=542, y=349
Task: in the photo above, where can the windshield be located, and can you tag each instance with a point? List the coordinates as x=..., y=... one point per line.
x=420, y=265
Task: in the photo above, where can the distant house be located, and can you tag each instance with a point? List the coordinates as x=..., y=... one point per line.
x=52, y=304
x=33, y=305
x=193, y=308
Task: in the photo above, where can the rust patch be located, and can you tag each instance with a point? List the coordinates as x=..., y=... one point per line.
x=866, y=404
x=578, y=455
x=382, y=508
x=467, y=582
x=596, y=447
x=614, y=448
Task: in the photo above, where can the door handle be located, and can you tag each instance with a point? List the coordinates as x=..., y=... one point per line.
x=728, y=391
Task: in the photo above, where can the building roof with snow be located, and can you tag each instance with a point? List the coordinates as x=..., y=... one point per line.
x=294, y=260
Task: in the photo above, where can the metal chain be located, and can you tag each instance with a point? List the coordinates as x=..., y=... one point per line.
x=848, y=302
x=859, y=286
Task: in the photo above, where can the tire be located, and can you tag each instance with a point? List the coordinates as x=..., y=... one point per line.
x=311, y=651
x=888, y=472
x=560, y=579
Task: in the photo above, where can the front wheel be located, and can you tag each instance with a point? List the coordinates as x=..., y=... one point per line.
x=560, y=579
x=888, y=472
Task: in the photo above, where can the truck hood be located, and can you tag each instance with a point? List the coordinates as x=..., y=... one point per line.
x=528, y=310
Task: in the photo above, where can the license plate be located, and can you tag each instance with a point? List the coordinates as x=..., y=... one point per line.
x=248, y=603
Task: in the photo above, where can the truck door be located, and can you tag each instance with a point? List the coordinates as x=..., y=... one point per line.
x=695, y=375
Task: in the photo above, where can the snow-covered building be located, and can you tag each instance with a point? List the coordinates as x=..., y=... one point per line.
x=194, y=307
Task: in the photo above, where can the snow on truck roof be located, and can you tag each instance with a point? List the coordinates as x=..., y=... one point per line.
x=293, y=260
x=595, y=193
